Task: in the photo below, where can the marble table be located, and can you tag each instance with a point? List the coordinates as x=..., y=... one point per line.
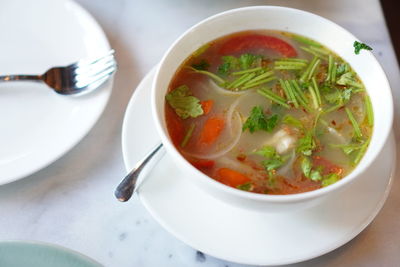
x=71, y=202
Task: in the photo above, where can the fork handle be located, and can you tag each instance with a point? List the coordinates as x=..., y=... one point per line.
x=7, y=78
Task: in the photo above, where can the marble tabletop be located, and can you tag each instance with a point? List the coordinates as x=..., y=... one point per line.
x=71, y=202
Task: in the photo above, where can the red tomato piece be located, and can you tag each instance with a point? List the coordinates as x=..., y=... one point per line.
x=329, y=167
x=202, y=163
x=241, y=43
x=207, y=106
x=231, y=178
x=175, y=126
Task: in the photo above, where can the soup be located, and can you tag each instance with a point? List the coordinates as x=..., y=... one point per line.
x=269, y=112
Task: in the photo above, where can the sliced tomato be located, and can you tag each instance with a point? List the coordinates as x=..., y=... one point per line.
x=175, y=126
x=207, y=106
x=231, y=177
x=202, y=163
x=245, y=42
x=328, y=166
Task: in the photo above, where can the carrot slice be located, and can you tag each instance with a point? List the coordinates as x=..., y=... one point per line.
x=207, y=106
x=211, y=130
x=231, y=177
x=202, y=163
x=175, y=126
x=329, y=167
x=241, y=43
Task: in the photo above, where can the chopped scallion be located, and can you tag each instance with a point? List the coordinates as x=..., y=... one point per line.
x=357, y=130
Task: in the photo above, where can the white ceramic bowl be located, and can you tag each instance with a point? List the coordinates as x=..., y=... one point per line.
x=307, y=24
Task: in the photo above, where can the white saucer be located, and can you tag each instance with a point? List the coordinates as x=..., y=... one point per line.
x=239, y=235
x=37, y=125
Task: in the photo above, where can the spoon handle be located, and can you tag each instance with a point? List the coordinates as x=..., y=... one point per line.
x=128, y=185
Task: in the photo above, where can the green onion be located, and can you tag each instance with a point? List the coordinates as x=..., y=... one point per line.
x=330, y=66
x=316, y=89
x=306, y=41
x=209, y=74
x=188, y=135
x=333, y=73
x=299, y=91
x=273, y=97
x=370, y=113
x=312, y=52
x=287, y=68
x=308, y=69
x=314, y=67
x=292, y=94
x=321, y=50
x=260, y=77
x=333, y=108
x=290, y=59
x=361, y=153
x=247, y=71
x=290, y=63
x=249, y=85
x=313, y=97
x=357, y=130
x=241, y=80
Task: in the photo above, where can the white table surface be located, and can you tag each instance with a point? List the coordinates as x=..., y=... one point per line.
x=71, y=202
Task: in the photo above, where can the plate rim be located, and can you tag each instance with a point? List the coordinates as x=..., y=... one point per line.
x=107, y=87
x=128, y=165
x=48, y=245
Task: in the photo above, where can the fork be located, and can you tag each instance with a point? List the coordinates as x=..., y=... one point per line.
x=82, y=76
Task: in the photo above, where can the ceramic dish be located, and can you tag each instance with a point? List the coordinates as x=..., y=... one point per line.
x=240, y=235
x=38, y=125
x=300, y=22
x=23, y=254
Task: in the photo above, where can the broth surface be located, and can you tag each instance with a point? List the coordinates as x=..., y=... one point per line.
x=269, y=112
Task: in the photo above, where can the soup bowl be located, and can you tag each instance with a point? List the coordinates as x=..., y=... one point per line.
x=299, y=22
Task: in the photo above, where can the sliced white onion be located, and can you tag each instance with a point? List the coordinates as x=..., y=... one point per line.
x=284, y=170
x=235, y=139
x=336, y=134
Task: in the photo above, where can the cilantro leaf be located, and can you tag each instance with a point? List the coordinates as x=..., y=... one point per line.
x=228, y=63
x=258, y=121
x=202, y=65
x=329, y=179
x=306, y=144
x=184, y=104
x=246, y=60
x=266, y=151
x=349, y=79
x=342, y=68
x=245, y=187
x=272, y=164
x=315, y=175
x=358, y=46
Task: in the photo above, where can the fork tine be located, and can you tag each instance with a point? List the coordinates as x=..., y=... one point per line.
x=99, y=65
x=90, y=61
x=94, y=78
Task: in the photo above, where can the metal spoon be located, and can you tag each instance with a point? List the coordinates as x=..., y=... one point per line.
x=128, y=186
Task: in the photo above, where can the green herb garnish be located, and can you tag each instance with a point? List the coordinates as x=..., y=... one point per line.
x=258, y=121
x=329, y=179
x=246, y=186
x=202, y=65
x=184, y=104
x=359, y=46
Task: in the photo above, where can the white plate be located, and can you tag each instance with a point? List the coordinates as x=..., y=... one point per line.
x=37, y=125
x=239, y=235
